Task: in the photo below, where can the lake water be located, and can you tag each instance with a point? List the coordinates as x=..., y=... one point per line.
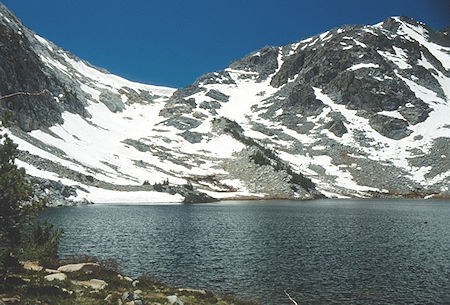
x=321, y=251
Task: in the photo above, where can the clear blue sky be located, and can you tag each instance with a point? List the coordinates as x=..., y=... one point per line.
x=172, y=42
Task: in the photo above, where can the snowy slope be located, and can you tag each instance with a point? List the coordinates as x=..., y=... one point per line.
x=279, y=104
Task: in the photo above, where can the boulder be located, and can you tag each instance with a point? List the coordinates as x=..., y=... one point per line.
x=201, y=291
x=112, y=101
x=81, y=267
x=390, y=127
x=51, y=271
x=217, y=95
x=192, y=137
x=32, y=266
x=173, y=299
x=55, y=277
x=132, y=298
x=94, y=284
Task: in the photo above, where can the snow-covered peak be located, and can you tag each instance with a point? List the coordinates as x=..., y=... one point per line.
x=359, y=110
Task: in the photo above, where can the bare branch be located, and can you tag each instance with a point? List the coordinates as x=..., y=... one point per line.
x=290, y=298
x=22, y=93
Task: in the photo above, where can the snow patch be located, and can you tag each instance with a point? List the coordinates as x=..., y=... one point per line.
x=363, y=66
x=44, y=42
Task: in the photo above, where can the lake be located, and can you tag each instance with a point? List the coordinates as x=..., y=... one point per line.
x=320, y=251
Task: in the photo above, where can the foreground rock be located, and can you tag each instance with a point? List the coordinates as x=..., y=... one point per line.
x=82, y=267
x=94, y=284
x=55, y=277
x=90, y=283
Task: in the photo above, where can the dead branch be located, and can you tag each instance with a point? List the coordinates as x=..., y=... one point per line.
x=22, y=93
x=290, y=298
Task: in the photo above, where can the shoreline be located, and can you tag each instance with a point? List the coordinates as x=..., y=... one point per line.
x=96, y=283
x=250, y=198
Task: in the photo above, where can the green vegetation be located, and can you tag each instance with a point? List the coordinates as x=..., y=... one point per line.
x=42, y=244
x=159, y=187
x=18, y=206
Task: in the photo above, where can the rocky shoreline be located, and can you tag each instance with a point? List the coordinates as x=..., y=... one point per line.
x=98, y=283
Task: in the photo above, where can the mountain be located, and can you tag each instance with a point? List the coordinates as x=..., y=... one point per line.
x=358, y=111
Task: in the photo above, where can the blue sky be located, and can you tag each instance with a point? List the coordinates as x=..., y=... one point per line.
x=172, y=42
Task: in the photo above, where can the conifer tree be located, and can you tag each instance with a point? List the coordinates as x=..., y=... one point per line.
x=17, y=205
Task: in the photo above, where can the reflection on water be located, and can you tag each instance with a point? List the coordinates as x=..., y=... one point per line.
x=321, y=252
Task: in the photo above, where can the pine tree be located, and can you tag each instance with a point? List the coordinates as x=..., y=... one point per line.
x=17, y=206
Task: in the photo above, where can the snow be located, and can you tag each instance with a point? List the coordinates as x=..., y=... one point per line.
x=360, y=43
x=242, y=97
x=54, y=64
x=419, y=34
x=369, y=30
x=325, y=36
x=95, y=94
x=344, y=178
x=4, y=17
x=114, y=81
x=422, y=61
x=392, y=114
x=36, y=172
x=398, y=59
x=363, y=65
x=397, y=151
x=44, y=42
x=98, y=195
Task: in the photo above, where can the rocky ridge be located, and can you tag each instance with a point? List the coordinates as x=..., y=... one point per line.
x=358, y=111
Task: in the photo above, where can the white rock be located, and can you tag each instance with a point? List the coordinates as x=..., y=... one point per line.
x=173, y=299
x=51, y=271
x=33, y=266
x=202, y=291
x=55, y=277
x=79, y=267
x=94, y=284
x=129, y=279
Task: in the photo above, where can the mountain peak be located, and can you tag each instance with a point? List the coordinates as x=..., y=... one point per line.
x=357, y=111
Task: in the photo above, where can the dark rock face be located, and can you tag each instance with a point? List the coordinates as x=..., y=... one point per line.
x=337, y=127
x=21, y=70
x=112, y=101
x=182, y=122
x=302, y=100
x=138, y=145
x=390, y=127
x=415, y=114
x=217, y=95
x=264, y=62
x=192, y=137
